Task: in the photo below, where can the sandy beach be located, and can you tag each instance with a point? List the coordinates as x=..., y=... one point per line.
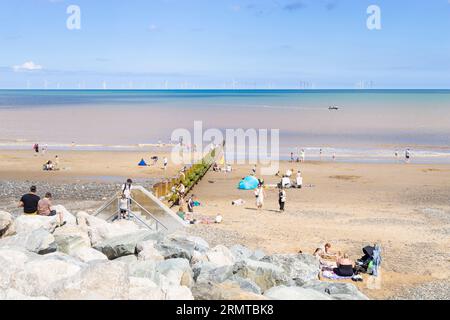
x=88, y=165
x=405, y=207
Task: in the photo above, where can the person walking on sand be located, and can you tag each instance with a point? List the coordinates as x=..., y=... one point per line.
x=56, y=163
x=259, y=194
x=166, y=162
x=407, y=155
x=282, y=198
x=36, y=148
x=292, y=157
x=29, y=202
x=254, y=170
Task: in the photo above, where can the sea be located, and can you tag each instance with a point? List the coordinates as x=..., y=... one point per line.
x=364, y=126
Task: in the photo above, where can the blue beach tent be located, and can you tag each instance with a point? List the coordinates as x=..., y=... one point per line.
x=142, y=163
x=248, y=183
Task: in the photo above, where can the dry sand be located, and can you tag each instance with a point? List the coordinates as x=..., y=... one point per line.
x=404, y=207
x=91, y=165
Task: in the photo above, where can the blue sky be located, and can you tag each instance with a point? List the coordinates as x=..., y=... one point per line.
x=224, y=44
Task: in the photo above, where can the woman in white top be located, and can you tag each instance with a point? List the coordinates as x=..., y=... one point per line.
x=259, y=193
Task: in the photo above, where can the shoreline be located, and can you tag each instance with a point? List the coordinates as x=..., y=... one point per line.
x=383, y=154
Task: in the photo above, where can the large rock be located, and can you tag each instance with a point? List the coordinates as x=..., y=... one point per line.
x=127, y=259
x=264, y=274
x=176, y=247
x=246, y=284
x=240, y=252
x=125, y=244
x=258, y=255
x=68, y=217
x=299, y=267
x=71, y=238
x=148, y=270
x=208, y=272
x=99, y=230
x=144, y=289
x=178, y=293
x=220, y=256
x=147, y=251
x=6, y=223
x=295, y=293
x=29, y=223
x=12, y=260
x=177, y=271
x=39, y=275
x=37, y=241
x=99, y=281
x=337, y=290
x=12, y=294
x=87, y=254
x=222, y=291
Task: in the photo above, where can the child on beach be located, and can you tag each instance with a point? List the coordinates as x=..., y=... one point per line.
x=123, y=207
x=282, y=198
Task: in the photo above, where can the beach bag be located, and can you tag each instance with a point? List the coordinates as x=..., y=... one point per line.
x=370, y=267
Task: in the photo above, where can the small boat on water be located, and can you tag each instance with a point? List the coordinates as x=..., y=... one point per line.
x=333, y=108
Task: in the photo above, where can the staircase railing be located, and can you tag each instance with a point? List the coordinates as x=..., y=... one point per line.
x=158, y=223
x=116, y=213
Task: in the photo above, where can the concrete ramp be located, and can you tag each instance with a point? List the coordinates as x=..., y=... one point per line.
x=151, y=208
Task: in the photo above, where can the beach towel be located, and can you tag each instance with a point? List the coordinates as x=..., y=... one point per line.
x=333, y=276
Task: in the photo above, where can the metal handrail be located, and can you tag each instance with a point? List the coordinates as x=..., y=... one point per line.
x=151, y=215
x=134, y=217
x=143, y=222
x=110, y=201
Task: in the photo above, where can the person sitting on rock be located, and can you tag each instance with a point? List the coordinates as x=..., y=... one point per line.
x=45, y=209
x=29, y=202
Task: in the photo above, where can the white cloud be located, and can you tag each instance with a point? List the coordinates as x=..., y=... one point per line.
x=27, y=66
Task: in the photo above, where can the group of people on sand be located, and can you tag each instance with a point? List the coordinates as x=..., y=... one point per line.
x=301, y=156
x=51, y=165
x=342, y=266
x=189, y=216
x=286, y=181
x=227, y=168
x=260, y=196
x=32, y=204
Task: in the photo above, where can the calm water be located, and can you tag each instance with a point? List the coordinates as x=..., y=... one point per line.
x=369, y=123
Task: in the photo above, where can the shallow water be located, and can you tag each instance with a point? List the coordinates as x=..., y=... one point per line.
x=370, y=125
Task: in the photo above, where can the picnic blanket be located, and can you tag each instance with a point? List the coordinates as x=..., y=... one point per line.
x=333, y=276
